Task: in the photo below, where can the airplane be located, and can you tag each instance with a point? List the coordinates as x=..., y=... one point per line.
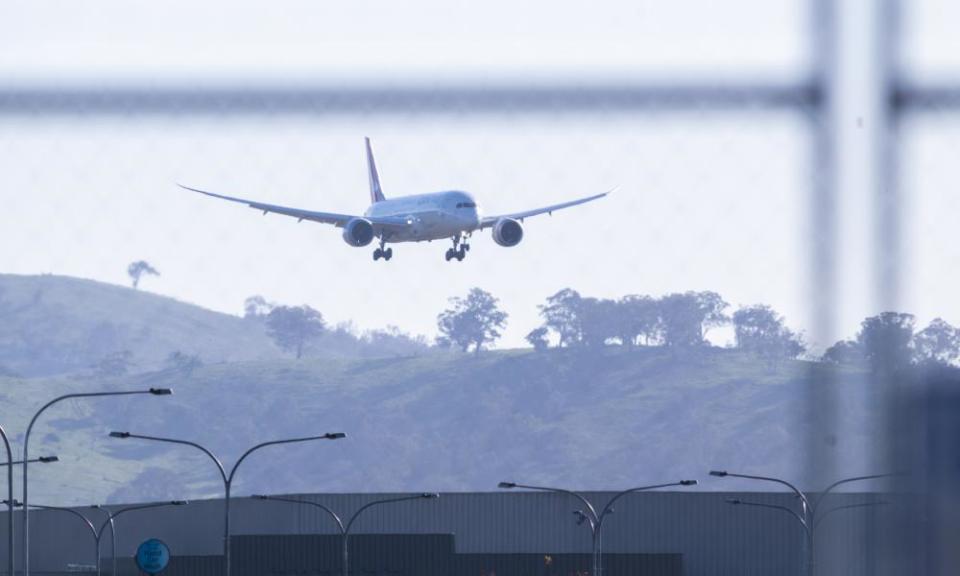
x=450, y=214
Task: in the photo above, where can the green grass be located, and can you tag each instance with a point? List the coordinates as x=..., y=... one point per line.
x=603, y=419
x=55, y=324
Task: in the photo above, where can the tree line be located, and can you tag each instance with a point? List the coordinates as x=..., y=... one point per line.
x=890, y=341
x=678, y=321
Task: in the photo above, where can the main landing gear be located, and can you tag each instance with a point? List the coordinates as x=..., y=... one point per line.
x=459, y=250
x=381, y=252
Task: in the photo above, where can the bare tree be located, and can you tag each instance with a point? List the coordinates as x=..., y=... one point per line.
x=137, y=269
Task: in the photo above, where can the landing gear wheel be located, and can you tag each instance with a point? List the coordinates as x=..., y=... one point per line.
x=377, y=254
x=388, y=254
x=450, y=254
x=460, y=255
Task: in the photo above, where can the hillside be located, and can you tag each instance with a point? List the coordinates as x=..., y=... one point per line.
x=55, y=324
x=441, y=422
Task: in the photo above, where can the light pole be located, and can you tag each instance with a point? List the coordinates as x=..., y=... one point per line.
x=11, y=542
x=26, y=457
x=113, y=533
x=228, y=478
x=809, y=507
x=86, y=521
x=591, y=516
x=10, y=463
x=345, y=530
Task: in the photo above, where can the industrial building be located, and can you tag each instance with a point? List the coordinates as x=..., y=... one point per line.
x=471, y=534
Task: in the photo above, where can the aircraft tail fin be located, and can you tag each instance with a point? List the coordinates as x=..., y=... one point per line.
x=376, y=194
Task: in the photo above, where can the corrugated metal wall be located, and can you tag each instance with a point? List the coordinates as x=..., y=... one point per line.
x=713, y=537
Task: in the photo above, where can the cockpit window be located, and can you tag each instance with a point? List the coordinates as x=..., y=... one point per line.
x=466, y=205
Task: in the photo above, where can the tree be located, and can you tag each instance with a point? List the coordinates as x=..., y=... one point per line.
x=886, y=340
x=598, y=321
x=474, y=320
x=687, y=317
x=844, y=352
x=137, y=269
x=538, y=338
x=256, y=307
x=560, y=314
x=638, y=317
x=938, y=343
x=760, y=330
x=292, y=327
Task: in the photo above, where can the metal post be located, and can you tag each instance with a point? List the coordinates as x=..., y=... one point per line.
x=345, y=531
x=595, y=564
x=346, y=554
x=228, y=479
x=368, y=505
x=86, y=521
x=808, y=517
x=26, y=455
x=113, y=547
x=226, y=523
x=590, y=513
x=331, y=513
x=11, y=543
x=111, y=516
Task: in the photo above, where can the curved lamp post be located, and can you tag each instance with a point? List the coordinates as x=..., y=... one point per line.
x=589, y=512
x=224, y=475
x=86, y=521
x=26, y=457
x=10, y=463
x=113, y=532
x=11, y=542
x=345, y=529
x=808, y=517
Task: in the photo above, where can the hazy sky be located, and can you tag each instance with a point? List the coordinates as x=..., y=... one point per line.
x=706, y=201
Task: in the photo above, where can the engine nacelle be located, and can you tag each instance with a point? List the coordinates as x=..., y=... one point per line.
x=507, y=232
x=358, y=232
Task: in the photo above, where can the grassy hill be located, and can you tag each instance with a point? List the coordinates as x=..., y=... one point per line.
x=55, y=324
x=450, y=422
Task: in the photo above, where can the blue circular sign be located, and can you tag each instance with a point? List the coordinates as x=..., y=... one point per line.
x=153, y=556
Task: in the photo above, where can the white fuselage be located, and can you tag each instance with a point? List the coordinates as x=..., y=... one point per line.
x=431, y=216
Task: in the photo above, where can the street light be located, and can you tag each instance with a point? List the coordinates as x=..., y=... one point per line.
x=26, y=458
x=10, y=463
x=113, y=533
x=11, y=543
x=590, y=515
x=86, y=521
x=808, y=516
x=98, y=534
x=228, y=478
x=345, y=530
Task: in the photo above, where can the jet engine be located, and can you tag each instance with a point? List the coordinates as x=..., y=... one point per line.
x=507, y=232
x=358, y=232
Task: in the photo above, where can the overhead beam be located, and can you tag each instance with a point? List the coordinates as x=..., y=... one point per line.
x=112, y=100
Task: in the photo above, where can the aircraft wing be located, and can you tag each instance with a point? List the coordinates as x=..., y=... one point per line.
x=489, y=221
x=338, y=220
